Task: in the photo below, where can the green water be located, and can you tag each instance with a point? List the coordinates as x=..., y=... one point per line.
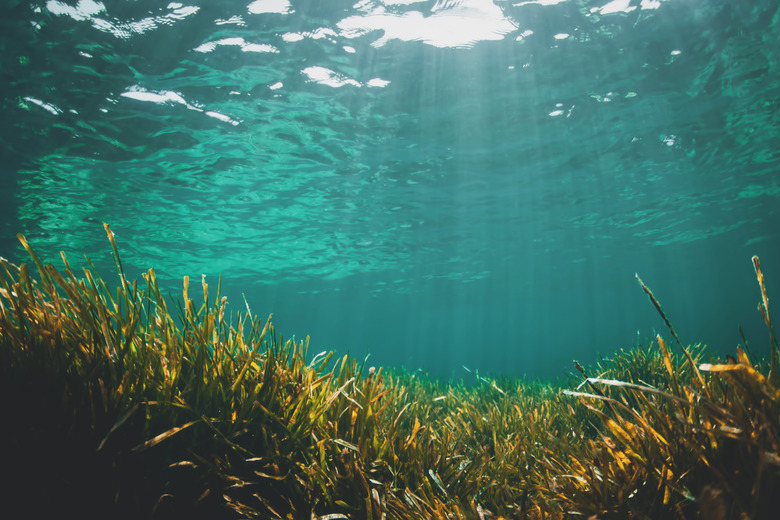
x=437, y=184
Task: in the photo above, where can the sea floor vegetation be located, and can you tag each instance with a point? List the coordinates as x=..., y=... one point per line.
x=118, y=405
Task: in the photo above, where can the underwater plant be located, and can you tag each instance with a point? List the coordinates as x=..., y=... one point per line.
x=120, y=404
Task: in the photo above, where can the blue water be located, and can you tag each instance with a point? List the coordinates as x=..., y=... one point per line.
x=436, y=184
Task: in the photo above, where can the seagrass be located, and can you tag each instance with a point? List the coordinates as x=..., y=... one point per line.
x=123, y=404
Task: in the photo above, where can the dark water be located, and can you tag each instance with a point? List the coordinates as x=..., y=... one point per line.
x=437, y=183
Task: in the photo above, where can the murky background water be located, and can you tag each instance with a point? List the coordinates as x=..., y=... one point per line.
x=437, y=184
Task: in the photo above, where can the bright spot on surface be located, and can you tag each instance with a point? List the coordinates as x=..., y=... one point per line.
x=161, y=97
x=292, y=37
x=46, y=106
x=540, y=2
x=221, y=117
x=449, y=24
x=269, y=6
x=676, y=53
x=328, y=77
x=617, y=6
x=322, y=33
x=84, y=10
x=561, y=36
x=237, y=20
x=166, y=97
x=258, y=47
x=377, y=82
x=276, y=86
x=239, y=42
x=349, y=49
x=90, y=9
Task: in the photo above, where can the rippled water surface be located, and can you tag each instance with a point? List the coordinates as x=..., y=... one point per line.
x=437, y=184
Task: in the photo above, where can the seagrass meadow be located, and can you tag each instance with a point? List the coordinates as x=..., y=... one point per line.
x=118, y=404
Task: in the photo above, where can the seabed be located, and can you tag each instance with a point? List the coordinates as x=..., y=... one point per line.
x=115, y=406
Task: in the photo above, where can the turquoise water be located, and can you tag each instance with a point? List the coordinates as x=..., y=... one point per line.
x=436, y=184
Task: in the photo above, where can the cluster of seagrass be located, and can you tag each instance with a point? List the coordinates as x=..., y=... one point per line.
x=117, y=407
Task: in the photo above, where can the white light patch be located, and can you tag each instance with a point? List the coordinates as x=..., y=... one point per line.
x=449, y=24
x=222, y=117
x=84, y=10
x=561, y=36
x=377, y=82
x=328, y=77
x=161, y=98
x=292, y=37
x=269, y=6
x=167, y=97
x=89, y=10
x=258, y=47
x=46, y=106
x=238, y=42
x=181, y=12
x=233, y=20
x=276, y=86
x=322, y=33
x=617, y=6
x=540, y=2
